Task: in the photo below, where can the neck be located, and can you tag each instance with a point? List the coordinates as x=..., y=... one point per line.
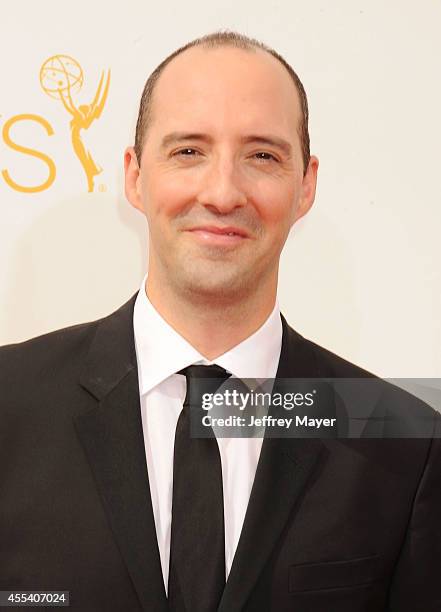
x=213, y=326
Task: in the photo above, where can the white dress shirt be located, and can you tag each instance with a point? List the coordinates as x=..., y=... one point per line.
x=160, y=353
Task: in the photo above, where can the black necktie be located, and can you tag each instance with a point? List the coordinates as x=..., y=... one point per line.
x=197, y=549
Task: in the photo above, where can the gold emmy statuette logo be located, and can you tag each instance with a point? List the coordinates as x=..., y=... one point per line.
x=61, y=77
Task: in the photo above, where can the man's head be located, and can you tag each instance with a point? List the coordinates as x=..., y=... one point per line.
x=221, y=144
x=216, y=40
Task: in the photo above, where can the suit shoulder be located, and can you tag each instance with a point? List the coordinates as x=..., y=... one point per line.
x=412, y=416
x=55, y=356
x=332, y=365
x=44, y=354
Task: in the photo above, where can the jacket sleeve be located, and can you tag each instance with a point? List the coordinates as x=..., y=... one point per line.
x=416, y=584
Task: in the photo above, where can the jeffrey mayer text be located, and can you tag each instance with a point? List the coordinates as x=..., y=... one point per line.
x=266, y=421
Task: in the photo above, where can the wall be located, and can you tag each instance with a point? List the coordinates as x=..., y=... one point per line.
x=359, y=275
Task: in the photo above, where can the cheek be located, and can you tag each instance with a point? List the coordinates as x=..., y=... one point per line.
x=166, y=196
x=276, y=207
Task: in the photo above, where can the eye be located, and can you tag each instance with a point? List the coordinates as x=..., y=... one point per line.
x=187, y=152
x=268, y=156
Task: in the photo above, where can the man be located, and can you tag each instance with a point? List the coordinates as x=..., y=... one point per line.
x=103, y=491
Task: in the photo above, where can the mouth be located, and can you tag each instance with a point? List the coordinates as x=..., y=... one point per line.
x=222, y=236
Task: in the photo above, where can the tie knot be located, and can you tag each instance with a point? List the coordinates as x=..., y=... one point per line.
x=203, y=371
x=202, y=379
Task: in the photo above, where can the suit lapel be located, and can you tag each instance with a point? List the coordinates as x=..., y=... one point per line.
x=112, y=437
x=283, y=470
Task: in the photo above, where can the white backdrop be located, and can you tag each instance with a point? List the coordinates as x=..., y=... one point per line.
x=359, y=275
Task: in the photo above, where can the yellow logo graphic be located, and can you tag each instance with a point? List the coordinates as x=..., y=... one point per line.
x=27, y=151
x=61, y=77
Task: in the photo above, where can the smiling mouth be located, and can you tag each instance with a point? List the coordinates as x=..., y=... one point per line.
x=227, y=236
x=229, y=230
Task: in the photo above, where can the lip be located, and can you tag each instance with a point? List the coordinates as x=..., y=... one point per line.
x=222, y=231
x=218, y=236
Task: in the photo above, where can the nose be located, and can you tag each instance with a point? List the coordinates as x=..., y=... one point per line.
x=220, y=189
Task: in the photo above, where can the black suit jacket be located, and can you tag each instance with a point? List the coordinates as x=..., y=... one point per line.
x=332, y=525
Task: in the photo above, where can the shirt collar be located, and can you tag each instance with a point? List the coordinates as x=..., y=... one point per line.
x=161, y=351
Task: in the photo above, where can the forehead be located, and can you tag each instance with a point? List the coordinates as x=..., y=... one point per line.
x=227, y=88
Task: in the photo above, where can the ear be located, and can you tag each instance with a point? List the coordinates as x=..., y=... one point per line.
x=308, y=187
x=132, y=180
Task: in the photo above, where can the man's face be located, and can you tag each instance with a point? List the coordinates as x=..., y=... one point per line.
x=221, y=179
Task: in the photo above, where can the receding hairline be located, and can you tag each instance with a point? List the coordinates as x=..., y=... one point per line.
x=202, y=48
x=219, y=40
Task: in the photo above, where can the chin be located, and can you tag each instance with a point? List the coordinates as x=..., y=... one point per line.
x=213, y=282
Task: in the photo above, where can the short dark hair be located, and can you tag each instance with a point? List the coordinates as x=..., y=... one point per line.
x=220, y=38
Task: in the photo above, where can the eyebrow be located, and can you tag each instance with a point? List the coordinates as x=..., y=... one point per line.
x=275, y=141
